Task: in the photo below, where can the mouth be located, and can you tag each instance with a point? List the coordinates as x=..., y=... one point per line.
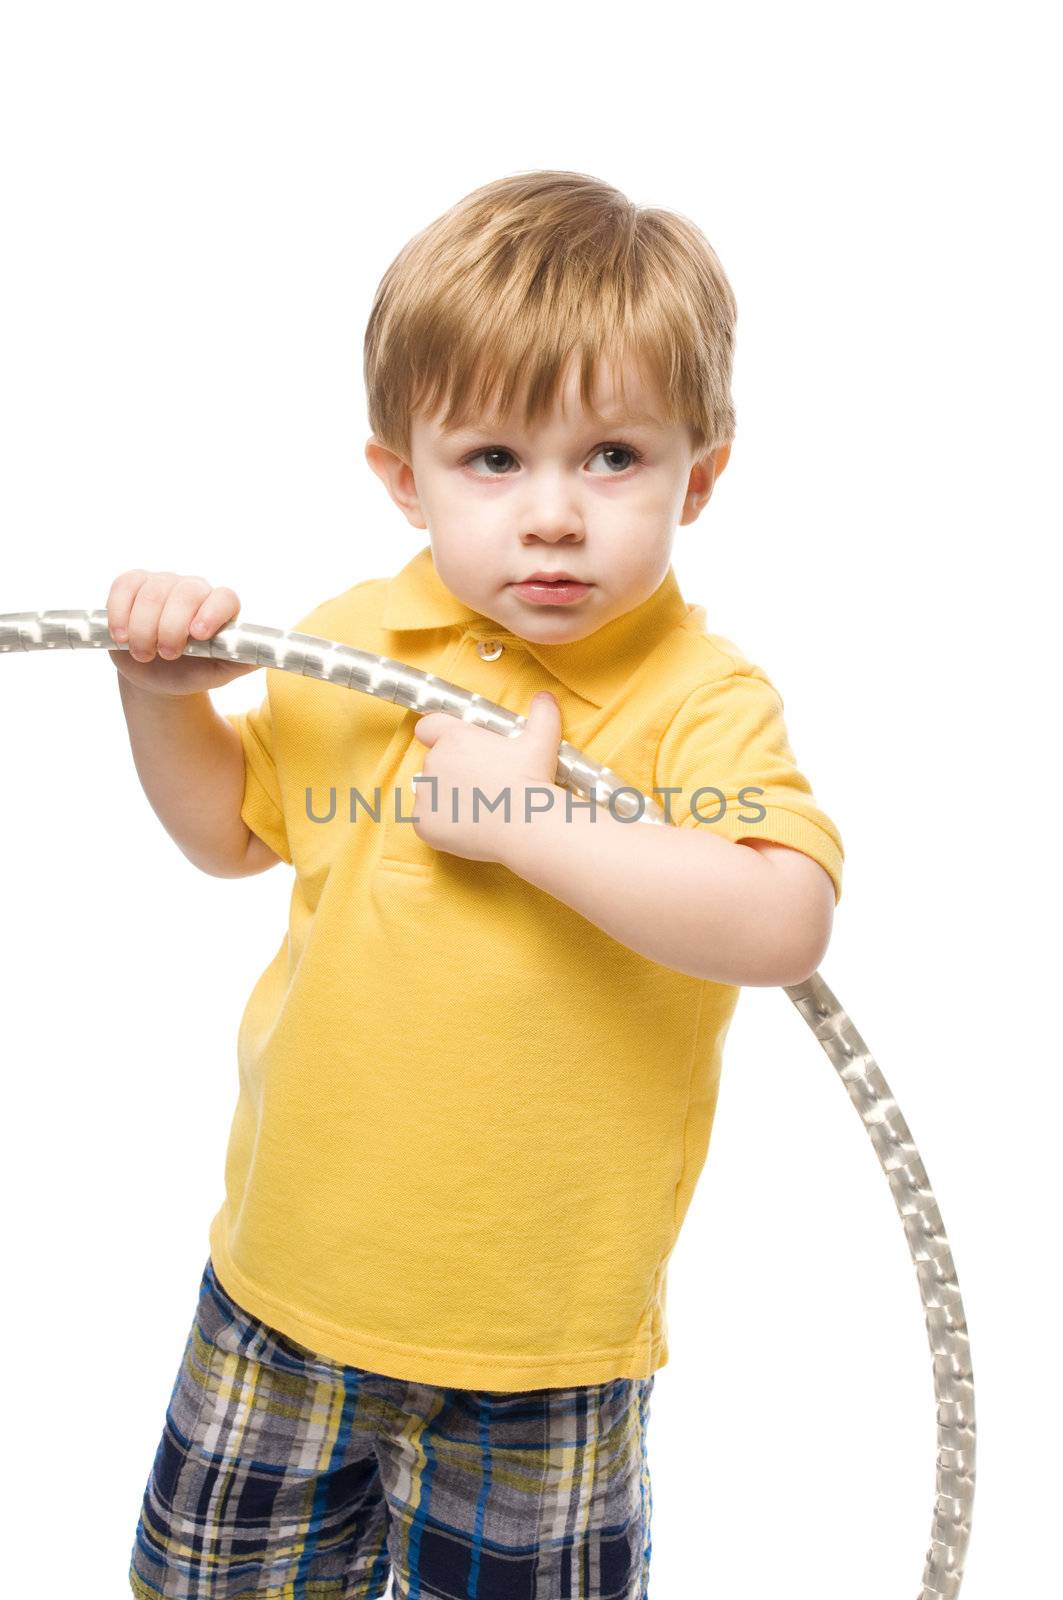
x=558, y=588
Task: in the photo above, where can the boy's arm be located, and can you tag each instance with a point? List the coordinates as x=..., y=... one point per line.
x=259, y=856
x=687, y=898
x=190, y=762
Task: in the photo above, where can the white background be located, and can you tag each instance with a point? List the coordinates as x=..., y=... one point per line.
x=197, y=203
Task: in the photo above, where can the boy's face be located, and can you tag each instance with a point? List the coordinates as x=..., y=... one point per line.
x=599, y=497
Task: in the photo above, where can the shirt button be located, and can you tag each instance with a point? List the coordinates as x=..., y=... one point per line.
x=489, y=649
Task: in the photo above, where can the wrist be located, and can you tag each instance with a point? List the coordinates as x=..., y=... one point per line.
x=537, y=811
x=135, y=691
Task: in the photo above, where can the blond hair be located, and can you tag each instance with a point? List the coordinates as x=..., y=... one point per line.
x=530, y=271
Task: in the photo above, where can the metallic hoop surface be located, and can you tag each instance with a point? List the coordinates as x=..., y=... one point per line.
x=863, y=1081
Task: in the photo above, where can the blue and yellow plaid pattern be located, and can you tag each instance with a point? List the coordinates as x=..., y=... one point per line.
x=284, y=1476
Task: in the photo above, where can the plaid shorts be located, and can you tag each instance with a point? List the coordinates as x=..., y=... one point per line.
x=281, y=1474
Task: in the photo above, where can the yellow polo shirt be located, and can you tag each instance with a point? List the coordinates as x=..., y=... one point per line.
x=470, y=1122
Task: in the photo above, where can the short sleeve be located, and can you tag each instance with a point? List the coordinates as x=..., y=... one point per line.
x=262, y=808
x=729, y=736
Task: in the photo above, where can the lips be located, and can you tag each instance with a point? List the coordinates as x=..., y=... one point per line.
x=550, y=577
x=553, y=589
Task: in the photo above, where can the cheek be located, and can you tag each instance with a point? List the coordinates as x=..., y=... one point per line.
x=459, y=562
x=649, y=497
x=465, y=509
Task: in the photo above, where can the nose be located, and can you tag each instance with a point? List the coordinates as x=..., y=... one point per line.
x=551, y=511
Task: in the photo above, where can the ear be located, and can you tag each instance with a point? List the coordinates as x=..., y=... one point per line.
x=397, y=477
x=703, y=474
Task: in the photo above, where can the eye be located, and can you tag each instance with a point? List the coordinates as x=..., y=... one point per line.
x=493, y=452
x=491, y=456
x=619, y=449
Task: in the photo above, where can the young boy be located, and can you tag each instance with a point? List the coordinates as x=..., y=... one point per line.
x=478, y=1078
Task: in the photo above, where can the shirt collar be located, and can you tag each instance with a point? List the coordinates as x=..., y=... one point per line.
x=596, y=667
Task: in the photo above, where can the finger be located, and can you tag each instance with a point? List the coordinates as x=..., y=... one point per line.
x=147, y=606
x=120, y=598
x=427, y=728
x=220, y=606
x=542, y=725
x=181, y=605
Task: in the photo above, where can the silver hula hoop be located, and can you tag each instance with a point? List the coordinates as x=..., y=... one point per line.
x=867, y=1089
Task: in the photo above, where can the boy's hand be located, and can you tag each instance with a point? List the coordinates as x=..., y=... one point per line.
x=158, y=612
x=463, y=758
